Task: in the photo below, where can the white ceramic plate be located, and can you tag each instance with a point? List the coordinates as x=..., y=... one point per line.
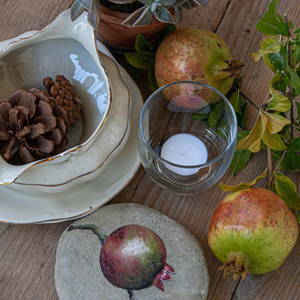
x=39, y=207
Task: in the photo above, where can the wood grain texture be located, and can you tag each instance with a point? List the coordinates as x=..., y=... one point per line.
x=27, y=252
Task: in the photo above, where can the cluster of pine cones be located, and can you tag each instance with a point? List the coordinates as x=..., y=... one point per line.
x=34, y=123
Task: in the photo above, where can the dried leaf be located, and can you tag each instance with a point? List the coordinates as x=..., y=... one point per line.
x=286, y=190
x=242, y=186
x=252, y=141
x=276, y=122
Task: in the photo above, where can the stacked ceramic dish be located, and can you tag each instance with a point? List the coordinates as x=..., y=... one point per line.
x=107, y=130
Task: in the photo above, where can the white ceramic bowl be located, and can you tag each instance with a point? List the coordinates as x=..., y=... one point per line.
x=107, y=144
x=63, y=48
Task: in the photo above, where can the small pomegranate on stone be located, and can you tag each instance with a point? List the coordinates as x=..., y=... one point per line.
x=133, y=257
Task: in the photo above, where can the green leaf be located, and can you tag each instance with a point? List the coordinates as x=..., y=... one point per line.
x=291, y=162
x=293, y=75
x=134, y=72
x=268, y=24
x=200, y=117
x=152, y=80
x=240, y=157
x=252, y=141
x=273, y=141
x=277, y=59
x=236, y=102
x=278, y=83
x=239, y=161
x=298, y=217
x=286, y=190
x=272, y=8
x=294, y=145
x=242, y=186
x=141, y=60
x=298, y=109
x=242, y=117
x=141, y=44
x=167, y=30
x=216, y=114
x=283, y=29
x=297, y=30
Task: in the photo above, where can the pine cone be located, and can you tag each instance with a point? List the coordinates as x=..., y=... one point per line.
x=34, y=126
x=64, y=93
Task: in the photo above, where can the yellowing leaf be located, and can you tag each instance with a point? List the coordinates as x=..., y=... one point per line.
x=256, y=56
x=242, y=186
x=278, y=101
x=273, y=141
x=267, y=46
x=252, y=141
x=286, y=189
x=276, y=122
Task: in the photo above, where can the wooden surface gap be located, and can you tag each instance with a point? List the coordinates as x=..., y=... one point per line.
x=224, y=13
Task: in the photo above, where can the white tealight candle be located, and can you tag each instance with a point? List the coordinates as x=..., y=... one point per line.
x=184, y=149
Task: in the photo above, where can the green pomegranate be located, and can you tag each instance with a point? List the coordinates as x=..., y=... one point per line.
x=197, y=55
x=252, y=231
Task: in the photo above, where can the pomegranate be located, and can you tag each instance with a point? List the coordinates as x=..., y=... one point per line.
x=132, y=257
x=197, y=55
x=252, y=231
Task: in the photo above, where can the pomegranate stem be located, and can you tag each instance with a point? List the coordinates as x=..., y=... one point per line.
x=131, y=295
x=91, y=227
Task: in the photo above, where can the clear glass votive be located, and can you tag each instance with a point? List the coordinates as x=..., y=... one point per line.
x=187, y=136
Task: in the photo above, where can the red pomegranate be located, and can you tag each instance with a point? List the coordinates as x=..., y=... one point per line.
x=194, y=55
x=252, y=231
x=133, y=257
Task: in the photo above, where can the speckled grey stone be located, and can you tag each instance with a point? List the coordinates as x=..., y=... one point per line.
x=78, y=273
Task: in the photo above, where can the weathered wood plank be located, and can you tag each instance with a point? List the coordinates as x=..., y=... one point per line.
x=19, y=16
x=27, y=252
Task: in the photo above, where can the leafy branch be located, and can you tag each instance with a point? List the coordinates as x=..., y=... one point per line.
x=278, y=119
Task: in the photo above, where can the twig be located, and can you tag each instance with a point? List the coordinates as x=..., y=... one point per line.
x=270, y=167
x=249, y=100
x=291, y=91
x=279, y=163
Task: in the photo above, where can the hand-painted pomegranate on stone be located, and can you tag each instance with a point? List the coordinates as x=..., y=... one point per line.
x=252, y=231
x=196, y=55
x=133, y=257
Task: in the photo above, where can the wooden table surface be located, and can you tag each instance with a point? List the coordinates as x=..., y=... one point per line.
x=27, y=252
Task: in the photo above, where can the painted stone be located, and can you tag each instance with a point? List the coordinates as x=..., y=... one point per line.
x=124, y=247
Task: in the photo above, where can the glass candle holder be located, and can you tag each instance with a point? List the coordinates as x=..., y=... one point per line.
x=187, y=136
